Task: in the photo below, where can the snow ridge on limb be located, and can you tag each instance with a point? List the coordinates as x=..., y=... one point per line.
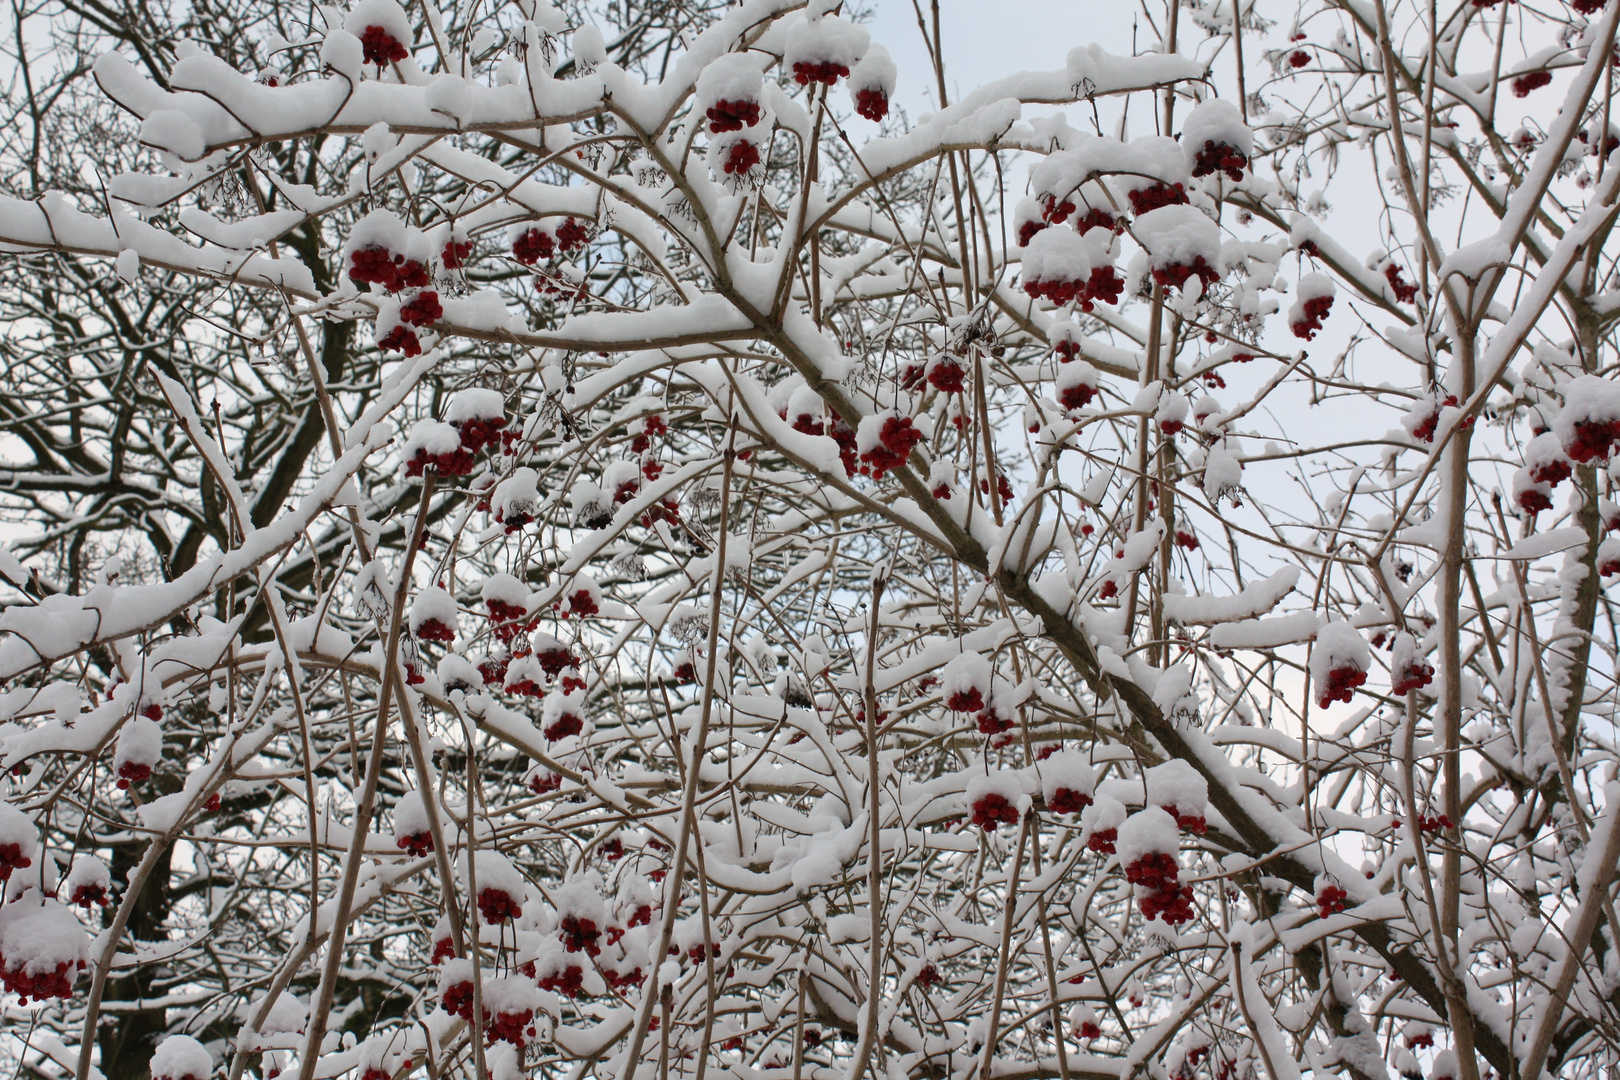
x=61, y=625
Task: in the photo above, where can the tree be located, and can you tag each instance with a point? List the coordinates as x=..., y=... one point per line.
x=591, y=542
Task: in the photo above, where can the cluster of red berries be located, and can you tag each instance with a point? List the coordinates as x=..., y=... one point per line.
x=896, y=439
x=455, y=254
x=1416, y=676
x=537, y=244
x=1154, y=870
x=743, y=156
x=87, y=896
x=872, y=104
x=1103, y=284
x=509, y=620
x=570, y=982
x=443, y=949
x=992, y=722
x=827, y=72
x=555, y=659
x=497, y=905
x=1067, y=801
x=566, y=725
x=457, y=462
x=1535, y=80
x=380, y=47
x=1156, y=195
x=1435, y=824
x=1330, y=901
x=1341, y=685
x=624, y=980
x=1316, y=309
x=457, y=999
x=423, y=309
x=1424, y=432
x=402, y=339
x=416, y=845
x=1193, y=823
x=946, y=375
x=992, y=809
x=1593, y=439
x=1220, y=157
x=481, y=431
x=1098, y=218
x=435, y=630
x=133, y=772
x=1089, y=1030
x=1176, y=274
x=1102, y=841
x=1077, y=396
x=1405, y=292
x=653, y=425
x=375, y=264
x=732, y=115
x=56, y=982
x=581, y=935
x=513, y=1027
x=532, y=246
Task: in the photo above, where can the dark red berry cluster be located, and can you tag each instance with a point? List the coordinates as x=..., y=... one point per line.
x=497, y=905
x=743, y=156
x=1155, y=195
x=992, y=809
x=1405, y=292
x=826, y=72
x=896, y=439
x=1067, y=801
x=732, y=115
x=375, y=264
x=872, y=104
x=1176, y=274
x=1220, y=157
x=1341, y=685
x=380, y=47
x=1316, y=309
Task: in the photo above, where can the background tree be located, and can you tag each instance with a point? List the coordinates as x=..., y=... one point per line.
x=587, y=542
